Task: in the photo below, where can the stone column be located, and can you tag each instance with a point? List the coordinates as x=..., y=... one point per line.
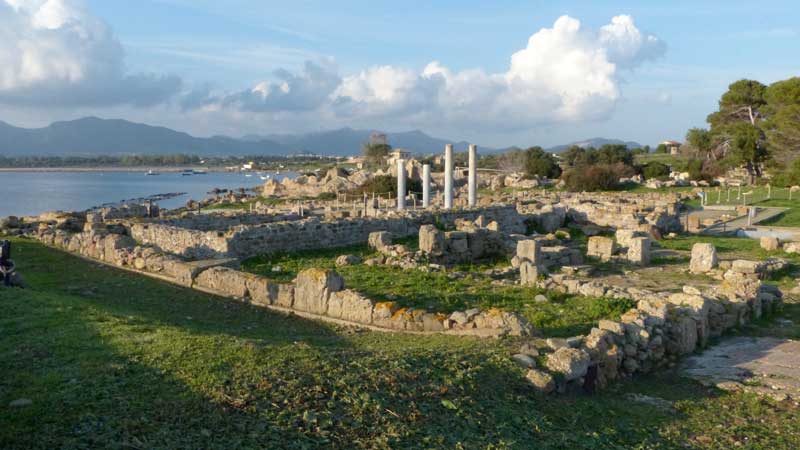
x=401, y=184
x=473, y=175
x=448, y=176
x=426, y=186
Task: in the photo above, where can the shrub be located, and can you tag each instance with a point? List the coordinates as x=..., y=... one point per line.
x=538, y=162
x=655, y=170
x=599, y=177
x=790, y=176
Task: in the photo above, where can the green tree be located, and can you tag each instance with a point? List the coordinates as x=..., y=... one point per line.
x=737, y=128
x=783, y=123
x=375, y=152
x=540, y=163
x=742, y=102
x=700, y=142
x=576, y=156
x=613, y=154
x=748, y=148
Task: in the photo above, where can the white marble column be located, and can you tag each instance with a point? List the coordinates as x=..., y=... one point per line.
x=473, y=175
x=401, y=184
x=448, y=176
x=426, y=185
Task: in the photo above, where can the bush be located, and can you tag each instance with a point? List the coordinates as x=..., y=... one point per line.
x=387, y=184
x=599, y=177
x=790, y=176
x=538, y=162
x=655, y=170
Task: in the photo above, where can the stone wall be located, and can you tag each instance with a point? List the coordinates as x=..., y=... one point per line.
x=315, y=293
x=186, y=242
x=312, y=233
x=456, y=247
x=661, y=328
x=625, y=210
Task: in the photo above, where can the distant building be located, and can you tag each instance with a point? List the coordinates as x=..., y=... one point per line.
x=673, y=147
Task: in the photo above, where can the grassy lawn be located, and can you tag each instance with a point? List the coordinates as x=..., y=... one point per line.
x=563, y=316
x=790, y=218
x=110, y=359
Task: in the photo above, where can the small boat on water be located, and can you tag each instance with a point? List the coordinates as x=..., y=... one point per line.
x=200, y=172
x=150, y=173
x=264, y=177
x=248, y=175
x=187, y=173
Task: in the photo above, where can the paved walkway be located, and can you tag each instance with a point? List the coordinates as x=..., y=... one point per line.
x=732, y=226
x=763, y=365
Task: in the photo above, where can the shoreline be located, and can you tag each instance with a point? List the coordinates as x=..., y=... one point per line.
x=113, y=169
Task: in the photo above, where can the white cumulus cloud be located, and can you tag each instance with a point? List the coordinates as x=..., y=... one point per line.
x=565, y=73
x=55, y=53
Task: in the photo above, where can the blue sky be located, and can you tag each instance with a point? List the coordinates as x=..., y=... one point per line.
x=219, y=53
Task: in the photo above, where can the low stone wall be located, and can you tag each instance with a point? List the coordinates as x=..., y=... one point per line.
x=626, y=210
x=315, y=293
x=182, y=241
x=455, y=247
x=225, y=221
x=313, y=233
x=663, y=327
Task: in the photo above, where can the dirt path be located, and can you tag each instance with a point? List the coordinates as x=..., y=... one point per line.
x=764, y=365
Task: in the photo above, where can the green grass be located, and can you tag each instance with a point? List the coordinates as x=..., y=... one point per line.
x=742, y=248
x=790, y=218
x=115, y=360
x=562, y=316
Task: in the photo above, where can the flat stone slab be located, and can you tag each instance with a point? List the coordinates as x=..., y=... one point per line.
x=763, y=365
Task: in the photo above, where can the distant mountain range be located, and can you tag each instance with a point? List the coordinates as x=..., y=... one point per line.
x=594, y=142
x=348, y=141
x=93, y=136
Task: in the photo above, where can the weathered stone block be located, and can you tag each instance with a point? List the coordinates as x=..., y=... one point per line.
x=282, y=294
x=600, y=247
x=431, y=240
x=570, y=362
x=684, y=334
x=347, y=260
x=542, y=381
x=530, y=249
x=770, y=243
x=624, y=236
x=224, y=280
x=313, y=288
x=260, y=290
x=351, y=306
x=379, y=240
x=182, y=272
x=528, y=273
x=456, y=241
x=704, y=258
x=639, y=251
